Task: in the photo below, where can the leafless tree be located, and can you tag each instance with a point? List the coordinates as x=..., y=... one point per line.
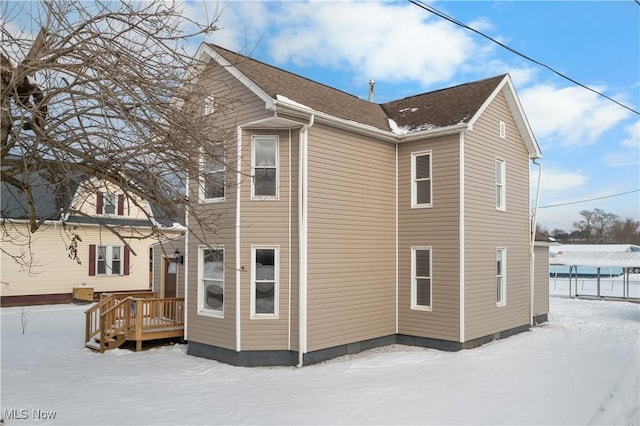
x=596, y=226
x=98, y=89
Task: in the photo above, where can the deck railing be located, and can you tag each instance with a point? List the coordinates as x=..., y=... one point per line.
x=134, y=318
x=107, y=301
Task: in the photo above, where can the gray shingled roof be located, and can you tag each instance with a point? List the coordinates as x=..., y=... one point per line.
x=275, y=81
x=439, y=108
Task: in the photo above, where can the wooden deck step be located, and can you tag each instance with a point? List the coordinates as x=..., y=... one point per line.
x=94, y=347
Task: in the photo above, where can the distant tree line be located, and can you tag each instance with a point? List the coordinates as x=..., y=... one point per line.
x=598, y=227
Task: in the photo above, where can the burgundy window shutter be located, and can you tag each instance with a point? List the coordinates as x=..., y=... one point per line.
x=92, y=259
x=99, y=203
x=120, y=204
x=127, y=255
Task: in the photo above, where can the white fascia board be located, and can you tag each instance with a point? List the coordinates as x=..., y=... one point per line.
x=268, y=100
x=506, y=87
x=284, y=105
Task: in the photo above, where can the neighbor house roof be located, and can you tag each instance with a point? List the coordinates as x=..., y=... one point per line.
x=53, y=196
x=458, y=105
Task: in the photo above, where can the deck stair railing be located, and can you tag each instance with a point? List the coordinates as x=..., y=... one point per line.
x=119, y=317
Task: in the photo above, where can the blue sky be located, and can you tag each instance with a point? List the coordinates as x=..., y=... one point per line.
x=590, y=146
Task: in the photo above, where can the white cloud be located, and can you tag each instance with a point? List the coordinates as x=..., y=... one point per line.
x=633, y=140
x=628, y=153
x=558, y=180
x=384, y=41
x=569, y=116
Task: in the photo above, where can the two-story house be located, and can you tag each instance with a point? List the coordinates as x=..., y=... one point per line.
x=346, y=224
x=75, y=246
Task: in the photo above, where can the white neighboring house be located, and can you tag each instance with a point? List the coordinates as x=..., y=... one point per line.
x=105, y=262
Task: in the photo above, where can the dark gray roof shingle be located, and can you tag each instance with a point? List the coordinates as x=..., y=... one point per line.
x=439, y=108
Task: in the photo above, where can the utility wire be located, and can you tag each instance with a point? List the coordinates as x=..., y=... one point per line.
x=590, y=199
x=436, y=12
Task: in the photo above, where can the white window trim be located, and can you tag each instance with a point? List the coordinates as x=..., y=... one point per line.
x=503, y=185
x=201, y=310
x=276, y=276
x=277, y=167
x=503, y=302
x=414, y=289
x=209, y=105
x=503, y=130
x=109, y=260
x=201, y=180
x=414, y=186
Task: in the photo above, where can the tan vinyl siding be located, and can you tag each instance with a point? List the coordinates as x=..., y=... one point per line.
x=351, y=238
x=486, y=228
x=541, y=279
x=267, y=223
x=436, y=227
x=235, y=103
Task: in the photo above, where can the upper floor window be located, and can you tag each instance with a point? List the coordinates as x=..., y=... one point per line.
x=108, y=260
x=500, y=185
x=211, y=281
x=109, y=203
x=501, y=277
x=421, y=182
x=264, y=162
x=264, y=282
x=212, y=177
x=209, y=105
x=421, y=287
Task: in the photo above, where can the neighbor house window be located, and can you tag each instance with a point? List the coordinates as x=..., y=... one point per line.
x=108, y=260
x=421, y=179
x=212, y=178
x=264, y=282
x=501, y=277
x=500, y=185
x=109, y=203
x=265, y=167
x=211, y=281
x=421, y=278
x=209, y=105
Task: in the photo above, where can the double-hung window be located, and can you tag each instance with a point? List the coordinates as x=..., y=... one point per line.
x=421, y=182
x=421, y=284
x=264, y=162
x=501, y=277
x=212, y=178
x=211, y=281
x=501, y=202
x=109, y=260
x=264, y=282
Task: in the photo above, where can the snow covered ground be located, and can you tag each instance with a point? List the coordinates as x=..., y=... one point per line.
x=580, y=368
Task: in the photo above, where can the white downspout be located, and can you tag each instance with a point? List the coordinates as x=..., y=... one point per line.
x=238, y=251
x=302, y=244
x=533, y=240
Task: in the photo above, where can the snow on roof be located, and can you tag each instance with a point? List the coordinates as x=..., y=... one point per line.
x=600, y=259
x=617, y=248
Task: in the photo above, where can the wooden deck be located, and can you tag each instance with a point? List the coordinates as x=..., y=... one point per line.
x=139, y=317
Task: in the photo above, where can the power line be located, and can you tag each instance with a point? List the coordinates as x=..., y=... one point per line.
x=436, y=12
x=587, y=200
